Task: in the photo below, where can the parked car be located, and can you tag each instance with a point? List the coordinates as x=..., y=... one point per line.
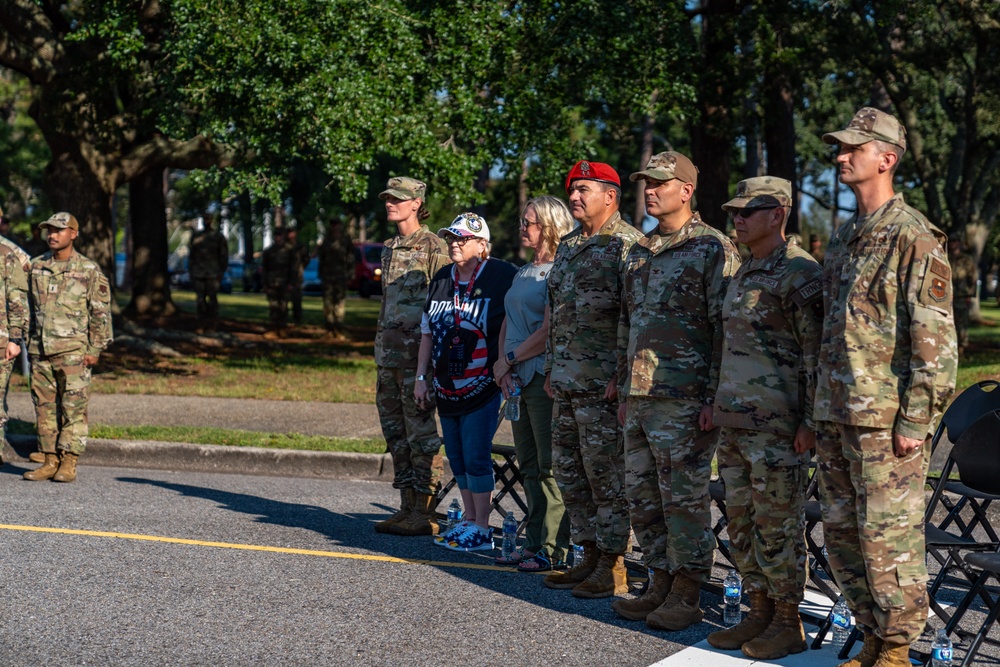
x=310, y=278
x=367, y=278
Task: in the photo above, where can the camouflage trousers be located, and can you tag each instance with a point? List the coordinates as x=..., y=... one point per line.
x=587, y=459
x=334, y=295
x=765, y=502
x=206, y=291
x=873, y=512
x=6, y=368
x=668, y=464
x=277, y=306
x=60, y=390
x=410, y=431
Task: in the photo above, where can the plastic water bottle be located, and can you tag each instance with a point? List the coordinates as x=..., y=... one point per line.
x=841, y=623
x=733, y=592
x=454, y=514
x=941, y=650
x=509, y=535
x=577, y=554
x=513, y=410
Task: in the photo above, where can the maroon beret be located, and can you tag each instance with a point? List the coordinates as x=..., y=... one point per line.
x=593, y=171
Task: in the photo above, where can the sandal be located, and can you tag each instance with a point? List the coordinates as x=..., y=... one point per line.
x=540, y=563
x=516, y=556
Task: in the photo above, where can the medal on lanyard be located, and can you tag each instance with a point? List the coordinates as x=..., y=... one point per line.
x=456, y=353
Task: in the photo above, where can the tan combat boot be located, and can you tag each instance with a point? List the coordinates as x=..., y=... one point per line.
x=36, y=457
x=47, y=471
x=656, y=592
x=67, y=468
x=421, y=520
x=782, y=637
x=405, y=507
x=577, y=574
x=681, y=609
x=893, y=656
x=608, y=578
x=752, y=625
x=869, y=652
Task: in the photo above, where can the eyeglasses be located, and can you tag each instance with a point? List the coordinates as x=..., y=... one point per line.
x=458, y=240
x=524, y=224
x=747, y=212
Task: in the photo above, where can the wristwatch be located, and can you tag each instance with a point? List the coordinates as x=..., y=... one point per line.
x=511, y=359
x=422, y=378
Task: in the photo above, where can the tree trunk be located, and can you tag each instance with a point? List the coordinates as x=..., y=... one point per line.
x=648, y=125
x=779, y=134
x=150, y=277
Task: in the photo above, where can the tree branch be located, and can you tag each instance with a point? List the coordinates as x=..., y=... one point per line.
x=28, y=43
x=197, y=153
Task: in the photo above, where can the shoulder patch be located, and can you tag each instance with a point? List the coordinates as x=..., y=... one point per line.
x=808, y=292
x=940, y=268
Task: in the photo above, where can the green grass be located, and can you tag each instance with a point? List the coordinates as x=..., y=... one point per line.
x=252, y=307
x=983, y=360
x=221, y=436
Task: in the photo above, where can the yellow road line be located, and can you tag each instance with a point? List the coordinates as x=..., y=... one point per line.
x=252, y=547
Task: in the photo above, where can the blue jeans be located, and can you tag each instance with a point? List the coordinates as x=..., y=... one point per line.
x=468, y=444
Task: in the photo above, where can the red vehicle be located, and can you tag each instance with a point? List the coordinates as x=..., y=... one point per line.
x=367, y=278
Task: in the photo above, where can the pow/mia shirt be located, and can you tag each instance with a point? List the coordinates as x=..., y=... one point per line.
x=408, y=263
x=467, y=387
x=888, y=357
x=772, y=321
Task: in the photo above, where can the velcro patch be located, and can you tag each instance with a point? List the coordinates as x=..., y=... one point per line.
x=767, y=282
x=811, y=290
x=940, y=268
x=938, y=289
x=689, y=255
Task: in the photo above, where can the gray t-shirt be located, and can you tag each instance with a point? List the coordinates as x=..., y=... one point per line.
x=525, y=306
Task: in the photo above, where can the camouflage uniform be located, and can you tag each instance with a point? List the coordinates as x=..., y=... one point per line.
x=280, y=268
x=964, y=279
x=14, y=268
x=336, y=264
x=408, y=263
x=301, y=257
x=669, y=329
x=584, y=296
x=887, y=365
x=207, y=262
x=71, y=303
x=772, y=319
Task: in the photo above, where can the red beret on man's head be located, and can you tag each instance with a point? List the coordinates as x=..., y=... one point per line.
x=593, y=171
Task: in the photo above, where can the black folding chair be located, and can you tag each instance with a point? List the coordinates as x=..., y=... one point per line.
x=976, y=454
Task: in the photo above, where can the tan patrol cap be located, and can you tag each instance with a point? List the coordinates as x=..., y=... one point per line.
x=61, y=221
x=867, y=125
x=667, y=166
x=760, y=192
x=403, y=187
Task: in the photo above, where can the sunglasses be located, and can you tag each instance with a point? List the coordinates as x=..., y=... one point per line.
x=747, y=212
x=524, y=224
x=458, y=240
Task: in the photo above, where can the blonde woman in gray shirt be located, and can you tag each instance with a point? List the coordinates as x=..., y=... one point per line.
x=544, y=220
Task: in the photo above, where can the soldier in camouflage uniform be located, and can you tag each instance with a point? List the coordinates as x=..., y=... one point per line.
x=336, y=264
x=71, y=303
x=409, y=260
x=279, y=265
x=584, y=297
x=207, y=261
x=772, y=321
x=964, y=279
x=670, y=348
x=14, y=268
x=886, y=369
x=300, y=255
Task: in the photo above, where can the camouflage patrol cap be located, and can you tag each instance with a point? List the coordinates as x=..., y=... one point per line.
x=760, y=192
x=61, y=221
x=404, y=187
x=867, y=125
x=667, y=166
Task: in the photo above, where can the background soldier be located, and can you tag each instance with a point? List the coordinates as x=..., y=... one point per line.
x=336, y=264
x=886, y=370
x=584, y=296
x=964, y=280
x=279, y=266
x=816, y=248
x=71, y=304
x=772, y=320
x=14, y=268
x=300, y=255
x=409, y=260
x=207, y=263
x=670, y=349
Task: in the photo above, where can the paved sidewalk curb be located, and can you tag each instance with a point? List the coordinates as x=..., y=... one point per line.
x=184, y=457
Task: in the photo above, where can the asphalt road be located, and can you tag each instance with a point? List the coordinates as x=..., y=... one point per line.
x=118, y=599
